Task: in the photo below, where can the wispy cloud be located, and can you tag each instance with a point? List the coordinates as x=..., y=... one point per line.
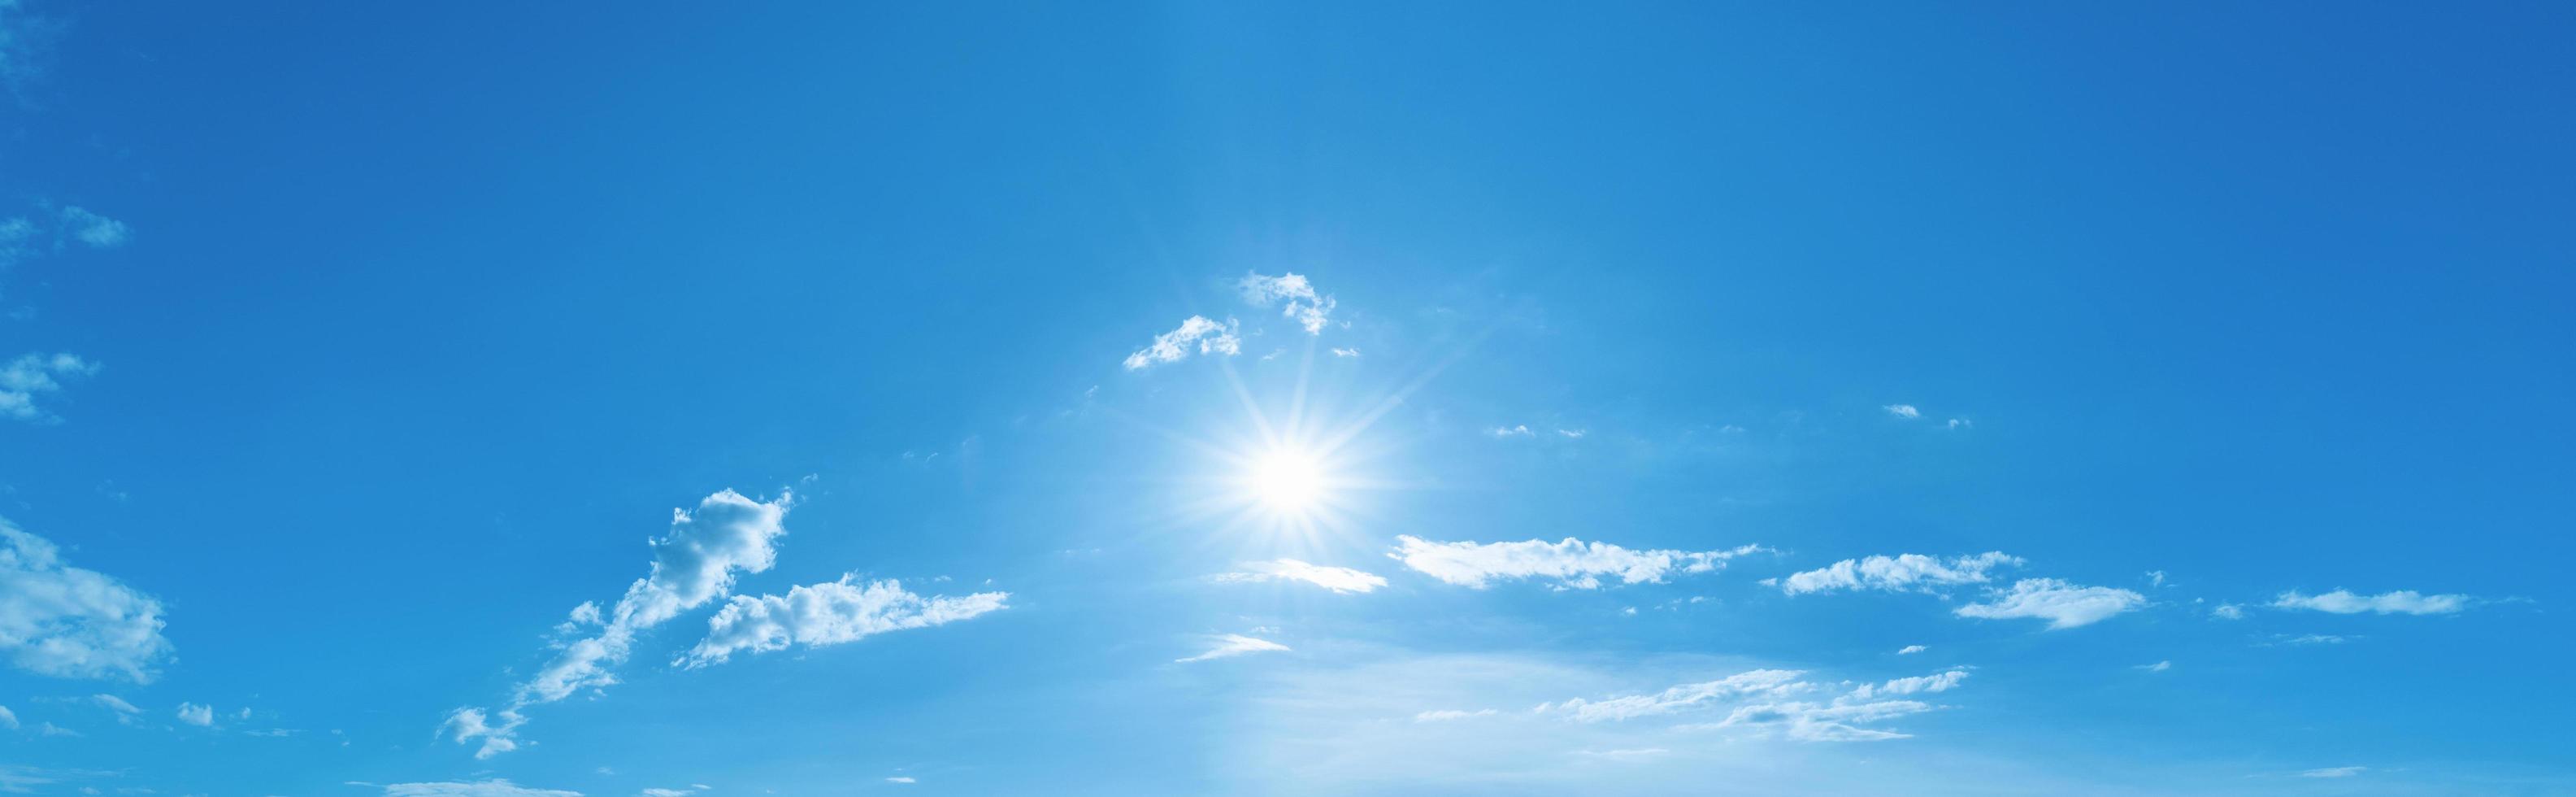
x=1231, y=645
x=695, y=562
x=2334, y=772
x=2062, y=604
x=1342, y=352
x=1902, y=572
x=1905, y=411
x=2228, y=611
x=93, y=230
x=1338, y=579
x=2399, y=602
x=496, y=787
x=66, y=622
x=1910, y=650
x=1570, y=563
x=1451, y=715
x=829, y=613
x=1682, y=697
x=23, y=379
x=1195, y=332
x=1297, y=299
x=1516, y=430
x=2160, y=666
x=1761, y=700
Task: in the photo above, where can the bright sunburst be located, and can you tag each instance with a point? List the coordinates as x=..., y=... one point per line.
x=1286, y=480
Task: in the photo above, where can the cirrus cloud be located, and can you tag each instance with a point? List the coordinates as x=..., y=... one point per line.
x=1570, y=563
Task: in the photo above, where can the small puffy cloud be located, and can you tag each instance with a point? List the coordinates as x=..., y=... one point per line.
x=2160, y=666
x=2399, y=602
x=901, y=779
x=193, y=714
x=1571, y=563
x=29, y=376
x=1903, y=572
x=1572, y=434
x=93, y=230
x=1905, y=411
x=2062, y=604
x=1231, y=645
x=1451, y=715
x=695, y=562
x=1338, y=579
x=2155, y=578
x=1342, y=352
x=67, y=622
x=1299, y=297
x=1510, y=431
x=2228, y=611
x=1195, y=332
x=2334, y=772
x=487, y=788
x=829, y=613
x=1960, y=423
x=1911, y=650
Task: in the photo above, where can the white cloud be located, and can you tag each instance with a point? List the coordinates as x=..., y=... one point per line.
x=1838, y=721
x=1911, y=650
x=2062, y=604
x=1906, y=411
x=1303, y=304
x=50, y=729
x=1961, y=423
x=2229, y=611
x=2155, y=578
x=1510, y=431
x=1207, y=336
x=1338, y=579
x=901, y=779
x=1898, y=573
x=2160, y=666
x=1759, y=702
x=24, y=378
x=488, y=788
x=829, y=613
x=1572, y=434
x=2399, y=602
x=1937, y=682
x=1678, y=698
x=67, y=622
x=660, y=792
x=2334, y=772
x=1229, y=645
x=1451, y=715
x=116, y=704
x=8, y=719
x=1342, y=352
x=193, y=714
x=2312, y=639
x=96, y=231
x=1572, y=563
x=694, y=563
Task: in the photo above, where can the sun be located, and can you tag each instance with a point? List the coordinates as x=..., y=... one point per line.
x=1287, y=480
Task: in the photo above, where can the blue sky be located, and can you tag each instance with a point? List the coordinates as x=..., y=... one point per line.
x=428, y=400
